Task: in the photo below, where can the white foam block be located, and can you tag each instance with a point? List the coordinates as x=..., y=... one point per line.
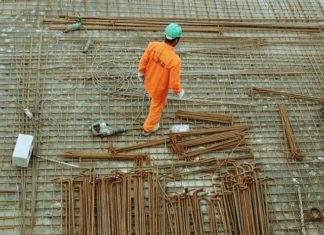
x=23, y=150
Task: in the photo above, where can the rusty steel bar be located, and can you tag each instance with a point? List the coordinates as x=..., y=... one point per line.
x=288, y=134
x=205, y=116
x=257, y=90
x=166, y=140
x=106, y=156
x=189, y=25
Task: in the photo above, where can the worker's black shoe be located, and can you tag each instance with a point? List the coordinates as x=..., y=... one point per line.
x=156, y=127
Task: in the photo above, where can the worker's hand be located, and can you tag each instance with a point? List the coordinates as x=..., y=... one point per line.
x=140, y=76
x=181, y=94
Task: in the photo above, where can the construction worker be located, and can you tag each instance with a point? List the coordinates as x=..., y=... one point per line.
x=159, y=68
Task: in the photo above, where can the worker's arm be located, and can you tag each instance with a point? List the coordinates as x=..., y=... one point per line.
x=174, y=78
x=144, y=60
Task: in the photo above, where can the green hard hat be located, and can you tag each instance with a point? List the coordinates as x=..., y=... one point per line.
x=173, y=31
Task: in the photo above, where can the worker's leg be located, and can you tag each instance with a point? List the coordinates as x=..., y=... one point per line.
x=153, y=118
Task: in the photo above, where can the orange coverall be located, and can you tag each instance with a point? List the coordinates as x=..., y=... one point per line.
x=161, y=68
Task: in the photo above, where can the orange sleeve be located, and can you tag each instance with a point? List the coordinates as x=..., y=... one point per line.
x=144, y=60
x=174, y=78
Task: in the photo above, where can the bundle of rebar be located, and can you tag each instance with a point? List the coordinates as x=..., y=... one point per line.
x=128, y=24
x=166, y=140
x=237, y=207
x=137, y=158
x=205, y=116
x=119, y=204
x=245, y=207
x=228, y=140
x=79, y=194
x=140, y=202
x=289, y=137
x=189, y=25
x=257, y=90
x=185, y=210
x=87, y=203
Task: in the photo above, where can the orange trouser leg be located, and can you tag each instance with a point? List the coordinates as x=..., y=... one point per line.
x=153, y=118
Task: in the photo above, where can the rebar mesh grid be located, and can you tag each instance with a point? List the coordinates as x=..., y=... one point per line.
x=67, y=91
x=224, y=9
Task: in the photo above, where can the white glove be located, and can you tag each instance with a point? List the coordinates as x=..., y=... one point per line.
x=140, y=76
x=181, y=94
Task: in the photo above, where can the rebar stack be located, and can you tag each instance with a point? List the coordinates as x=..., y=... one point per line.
x=140, y=202
x=207, y=131
x=227, y=140
x=244, y=202
x=121, y=205
x=257, y=90
x=289, y=135
x=205, y=116
x=112, y=204
x=189, y=25
x=187, y=215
